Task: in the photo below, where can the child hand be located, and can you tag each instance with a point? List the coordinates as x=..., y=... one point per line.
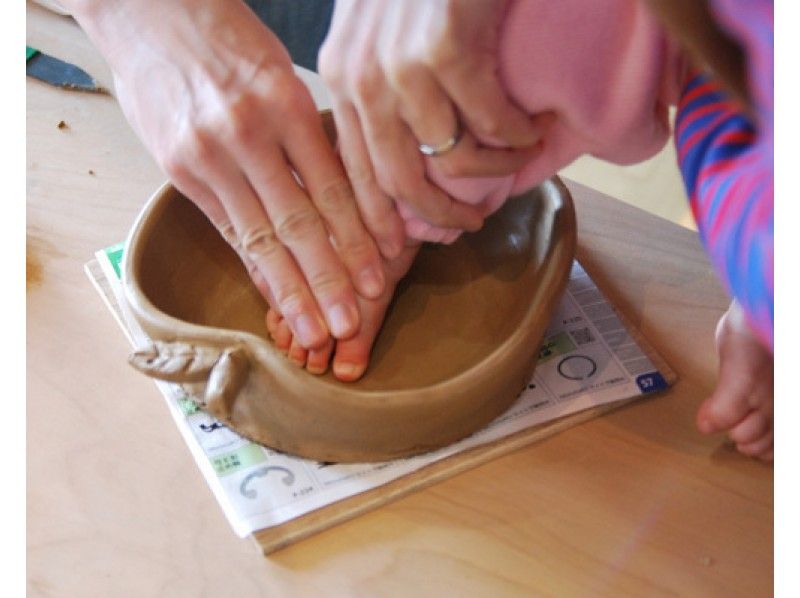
x=742, y=403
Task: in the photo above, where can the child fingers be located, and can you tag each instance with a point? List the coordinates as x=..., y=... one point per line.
x=319, y=359
x=761, y=448
x=377, y=209
x=753, y=427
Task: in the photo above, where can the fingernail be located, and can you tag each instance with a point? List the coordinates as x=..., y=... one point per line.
x=371, y=281
x=316, y=369
x=347, y=371
x=308, y=330
x=342, y=319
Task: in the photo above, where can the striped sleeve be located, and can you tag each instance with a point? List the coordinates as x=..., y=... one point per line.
x=726, y=164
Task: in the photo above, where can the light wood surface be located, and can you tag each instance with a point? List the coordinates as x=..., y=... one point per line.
x=633, y=503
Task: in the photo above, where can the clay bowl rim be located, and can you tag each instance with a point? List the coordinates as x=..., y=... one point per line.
x=560, y=249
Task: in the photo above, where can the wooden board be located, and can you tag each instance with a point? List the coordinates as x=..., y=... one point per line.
x=274, y=538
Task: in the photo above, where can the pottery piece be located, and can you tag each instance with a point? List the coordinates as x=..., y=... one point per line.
x=459, y=343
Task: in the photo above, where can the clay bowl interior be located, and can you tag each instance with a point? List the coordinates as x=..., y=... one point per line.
x=459, y=341
x=456, y=306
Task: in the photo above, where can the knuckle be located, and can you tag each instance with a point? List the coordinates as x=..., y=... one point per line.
x=335, y=198
x=388, y=184
x=359, y=172
x=399, y=70
x=443, y=55
x=291, y=100
x=283, y=94
x=256, y=277
x=198, y=147
x=291, y=300
x=173, y=164
x=327, y=283
x=298, y=226
x=356, y=247
x=228, y=232
x=330, y=67
x=292, y=97
x=366, y=84
x=488, y=124
x=238, y=119
x=379, y=222
x=259, y=242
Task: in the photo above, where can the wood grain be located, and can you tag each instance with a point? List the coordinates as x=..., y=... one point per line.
x=633, y=503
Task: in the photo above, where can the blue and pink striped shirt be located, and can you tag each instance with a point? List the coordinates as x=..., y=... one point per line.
x=726, y=158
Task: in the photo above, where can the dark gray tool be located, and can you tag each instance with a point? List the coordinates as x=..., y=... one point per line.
x=59, y=73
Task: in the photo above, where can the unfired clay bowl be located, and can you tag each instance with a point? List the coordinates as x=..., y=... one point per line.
x=460, y=339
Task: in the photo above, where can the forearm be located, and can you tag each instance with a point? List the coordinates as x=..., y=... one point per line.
x=114, y=25
x=212, y=94
x=727, y=168
x=185, y=32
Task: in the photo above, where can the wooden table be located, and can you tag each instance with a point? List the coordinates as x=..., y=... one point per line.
x=634, y=503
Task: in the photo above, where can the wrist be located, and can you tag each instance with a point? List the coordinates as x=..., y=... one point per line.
x=185, y=33
x=110, y=24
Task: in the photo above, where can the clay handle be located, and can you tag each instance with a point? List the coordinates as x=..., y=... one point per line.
x=223, y=370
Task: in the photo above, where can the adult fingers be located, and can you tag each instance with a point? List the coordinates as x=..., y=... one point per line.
x=205, y=199
x=323, y=176
x=433, y=119
x=424, y=105
x=470, y=158
x=260, y=242
x=476, y=89
x=377, y=209
x=400, y=170
x=350, y=64
x=299, y=228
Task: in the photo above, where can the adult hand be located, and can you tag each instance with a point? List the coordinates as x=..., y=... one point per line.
x=412, y=72
x=212, y=94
